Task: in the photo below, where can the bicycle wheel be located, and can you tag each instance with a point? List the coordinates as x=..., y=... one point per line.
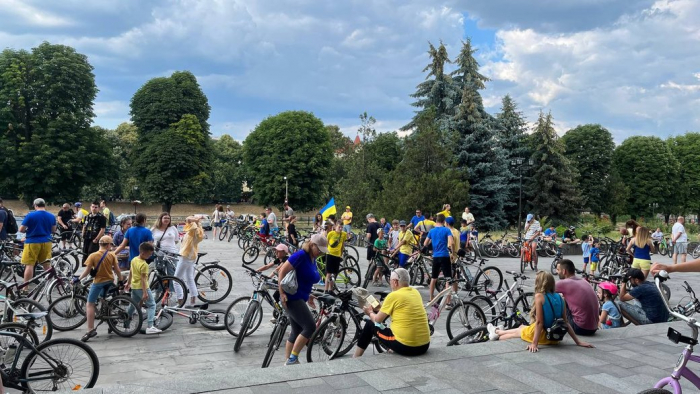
x=213, y=319
x=214, y=283
x=523, y=263
x=64, y=268
x=17, y=328
x=269, y=256
x=326, y=341
x=121, y=310
x=222, y=233
x=486, y=305
x=58, y=288
x=553, y=267
x=253, y=312
x=511, y=250
x=66, y=364
x=369, y=274
x=250, y=254
x=475, y=335
x=352, y=252
x=550, y=249
x=489, y=278
x=347, y=278
x=275, y=340
x=464, y=317
x=524, y=304
x=349, y=261
x=162, y=294
x=42, y=326
x=349, y=318
x=241, y=242
x=490, y=249
x=234, y=317
x=162, y=321
x=77, y=241
x=68, y=312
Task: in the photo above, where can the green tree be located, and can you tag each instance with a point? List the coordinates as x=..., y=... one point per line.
x=686, y=149
x=173, y=165
x=433, y=93
x=590, y=149
x=618, y=193
x=648, y=169
x=294, y=144
x=511, y=133
x=48, y=148
x=552, y=189
x=466, y=76
x=227, y=170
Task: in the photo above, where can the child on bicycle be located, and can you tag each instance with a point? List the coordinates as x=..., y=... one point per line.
x=380, y=247
x=336, y=242
x=138, y=283
x=595, y=256
x=610, y=316
x=104, y=264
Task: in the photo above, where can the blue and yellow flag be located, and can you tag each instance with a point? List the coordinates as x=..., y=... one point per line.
x=329, y=209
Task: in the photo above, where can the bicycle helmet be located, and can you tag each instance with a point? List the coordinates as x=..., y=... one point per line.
x=572, y=228
x=609, y=286
x=78, y=204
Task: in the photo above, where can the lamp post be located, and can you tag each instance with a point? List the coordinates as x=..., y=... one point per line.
x=518, y=162
x=286, y=188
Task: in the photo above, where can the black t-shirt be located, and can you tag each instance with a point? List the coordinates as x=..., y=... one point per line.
x=372, y=231
x=292, y=230
x=66, y=217
x=93, y=224
x=280, y=261
x=569, y=234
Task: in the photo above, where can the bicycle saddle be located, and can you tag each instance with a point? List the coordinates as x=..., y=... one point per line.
x=31, y=315
x=326, y=299
x=202, y=254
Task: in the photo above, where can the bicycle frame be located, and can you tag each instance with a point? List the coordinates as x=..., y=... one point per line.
x=510, y=302
x=442, y=299
x=8, y=380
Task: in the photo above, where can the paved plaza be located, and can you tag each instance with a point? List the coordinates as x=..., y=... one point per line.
x=190, y=358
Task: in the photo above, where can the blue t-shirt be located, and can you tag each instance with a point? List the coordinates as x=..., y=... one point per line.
x=463, y=236
x=438, y=236
x=417, y=219
x=552, y=303
x=586, y=248
x=549, y=232
x=595, y=254
x=136, y=236
x=3, y=220
x=387, y=228
x=652, y=303
x=265, y=228
x=39, y=224
x=307, y=275
x=613, y=315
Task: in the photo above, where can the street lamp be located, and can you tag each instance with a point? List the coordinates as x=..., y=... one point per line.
x=518, y=162
x=286, y=188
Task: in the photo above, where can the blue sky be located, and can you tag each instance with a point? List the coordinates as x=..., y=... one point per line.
x=632, y=66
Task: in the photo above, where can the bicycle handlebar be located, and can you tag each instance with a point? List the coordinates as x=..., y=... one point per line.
x=256, y=272
x=662, y=276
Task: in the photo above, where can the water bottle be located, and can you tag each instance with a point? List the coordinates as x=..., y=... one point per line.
x=434, y=312
x=469, y=275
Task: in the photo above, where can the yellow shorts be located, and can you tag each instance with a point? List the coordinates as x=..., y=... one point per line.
x=644, y=265
x=36, y=253
x=528, y=335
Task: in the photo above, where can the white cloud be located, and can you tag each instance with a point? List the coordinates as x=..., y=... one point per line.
x=33, y=16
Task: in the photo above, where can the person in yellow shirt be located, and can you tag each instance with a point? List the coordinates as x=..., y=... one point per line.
x=445, y=210
x=336, y=243
x=406, y=242
x=450, y=223
x=105, y=264
x=138, y=283
x=409, y=334
x=347, y=220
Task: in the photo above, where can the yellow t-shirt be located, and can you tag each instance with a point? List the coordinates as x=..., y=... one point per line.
x=337, y=239
x=138, y=268
x=106, y=213
x=347, y=218
x=409, y=240
x=445, y=212
x=455, y=240
x=409, y=322
x=425, y=225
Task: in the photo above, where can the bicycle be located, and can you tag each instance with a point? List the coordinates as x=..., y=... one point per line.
x=347, y=277
x=486, y=279
x=55, y=365
x=526, y=257
x=276, y=337
x=467, y=312
x=214, y=281
x=378, y=259
x=14, y=305
x=689, y=304
x=211, y=319
x=327, y=340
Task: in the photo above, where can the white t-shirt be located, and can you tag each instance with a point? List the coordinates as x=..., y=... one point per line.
x=679, y=228
x=170, y=239
x=216, y=216
x=272, y=219
x=468, y=217
x=534, y=227
x=230, y=214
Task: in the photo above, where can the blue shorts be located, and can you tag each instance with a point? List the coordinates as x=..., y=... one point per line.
x=403, y=259
x=98, y=290
x=585, y=260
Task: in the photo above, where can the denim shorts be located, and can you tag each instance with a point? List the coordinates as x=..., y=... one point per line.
x=98, y=290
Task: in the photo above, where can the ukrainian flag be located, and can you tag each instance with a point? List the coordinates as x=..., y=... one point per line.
x=329, y=209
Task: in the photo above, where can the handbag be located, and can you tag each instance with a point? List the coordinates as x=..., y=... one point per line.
x=289, y=282
x=93, y=271
x=558, y=330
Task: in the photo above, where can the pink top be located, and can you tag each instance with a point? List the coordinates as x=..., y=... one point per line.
x=582, y=300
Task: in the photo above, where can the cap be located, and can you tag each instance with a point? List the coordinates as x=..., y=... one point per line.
x=370, y=215
x=450, y=220
x=402, y=223
x=636, y=273
x=347, y=207
x=320, y=241
x=529, y=217
x=282, y=248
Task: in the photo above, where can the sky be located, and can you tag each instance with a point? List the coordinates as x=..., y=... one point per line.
x=632, y=66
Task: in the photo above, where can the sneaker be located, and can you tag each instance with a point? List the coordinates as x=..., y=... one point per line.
x=321, y=283
x=292, y=362
x=90, y=334
x=153, y=330
x=492, y=332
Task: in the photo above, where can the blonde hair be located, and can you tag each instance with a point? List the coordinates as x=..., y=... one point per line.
x=642, y=237
x=544, y=283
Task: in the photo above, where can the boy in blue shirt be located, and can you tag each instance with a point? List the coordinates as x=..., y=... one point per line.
x=595, y=256
x=442, y=240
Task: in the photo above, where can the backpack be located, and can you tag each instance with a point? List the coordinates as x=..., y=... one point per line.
x=558, y=330
x=11, y=225
x=112, y=219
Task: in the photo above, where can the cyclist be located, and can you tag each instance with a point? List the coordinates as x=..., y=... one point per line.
x=189, y=247
x=38, y=225
x=65, y=216
x=336, y=242
x=406, y=242
x=532, y=231
x=610, y=316
x=380, y=247
x=138, y=284
x=442, y=240
x=80, y=213
x=105, y=265
x=281, y=254
x=409, y=334
x=569, y=236
x=582, y=303
x=449, y=223
x=550, y=234
x=292, y=234
x=657, y=237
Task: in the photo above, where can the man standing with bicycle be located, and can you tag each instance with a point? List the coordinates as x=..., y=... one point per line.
x=38, y=225
x=442, y=240
x=65, y=216
x=532, y=231
x=94, y=229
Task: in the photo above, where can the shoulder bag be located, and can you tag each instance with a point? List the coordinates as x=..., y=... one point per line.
x=289, y=282
x=558, y=330
x=93, y=271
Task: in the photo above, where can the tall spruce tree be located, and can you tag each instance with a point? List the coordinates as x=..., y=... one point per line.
x=466, y=75
x=434, y=91
x=511, y=133
x=552, y=189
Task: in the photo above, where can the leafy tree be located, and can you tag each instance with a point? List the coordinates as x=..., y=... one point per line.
x=340, y=143
x=511, y=133
x=294, y=144
x=160, y=102
x=590, y=149
x=686, y=149
x=48, y=149
x=433, y=92
x=227, y=170
x=618, y=192
x=552, y=189
x=649, y=169
x=173, y=165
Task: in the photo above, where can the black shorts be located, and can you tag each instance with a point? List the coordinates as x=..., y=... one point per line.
x=333, y=264
x=370, y=253
x=444, y=264
x=66, y=233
